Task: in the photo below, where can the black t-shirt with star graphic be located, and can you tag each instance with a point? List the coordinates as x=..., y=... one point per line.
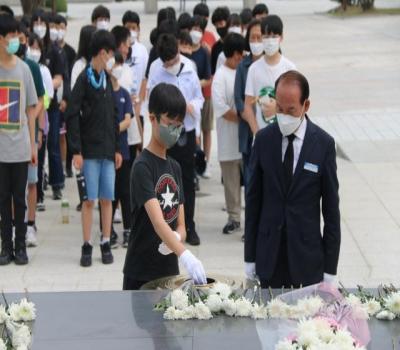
x=152, y=177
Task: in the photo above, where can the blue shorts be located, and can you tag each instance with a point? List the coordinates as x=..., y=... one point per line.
x=100, y=178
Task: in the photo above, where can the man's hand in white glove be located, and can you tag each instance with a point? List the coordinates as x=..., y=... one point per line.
x=163, y=249
x=331, y=279
x=193, y=266
x=250, y=269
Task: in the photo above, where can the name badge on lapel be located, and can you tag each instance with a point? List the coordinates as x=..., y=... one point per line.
x=311, y=167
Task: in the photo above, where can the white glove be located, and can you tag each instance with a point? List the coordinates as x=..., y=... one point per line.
x=163, y=248
x=331, y=279
x=193, y=266
x=250, y=269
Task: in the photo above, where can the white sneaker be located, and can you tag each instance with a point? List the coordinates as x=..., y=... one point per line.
x=207, y=173
x=117, y=216
x=31, y=240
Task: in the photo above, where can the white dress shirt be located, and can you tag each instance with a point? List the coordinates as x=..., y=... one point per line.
x=297, y=143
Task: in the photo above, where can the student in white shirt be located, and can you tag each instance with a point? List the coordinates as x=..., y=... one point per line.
x=173, y=68
x=262, y=76
x=228, y=128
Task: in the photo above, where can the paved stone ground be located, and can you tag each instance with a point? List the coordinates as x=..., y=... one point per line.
x=354, y=70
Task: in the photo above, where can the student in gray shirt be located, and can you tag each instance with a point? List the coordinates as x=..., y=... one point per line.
x=17, y=140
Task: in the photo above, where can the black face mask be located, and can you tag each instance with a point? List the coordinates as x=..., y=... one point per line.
x=21, y=51
x=222, y=32
x=186, y=55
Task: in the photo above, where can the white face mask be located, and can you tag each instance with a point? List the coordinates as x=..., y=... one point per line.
x=289, y=124
x=237, y=30
x=256, y=48
x=117, y=72
x=174, y=70
x=103, y=24
x=110, y=63
x=33, y=54
x=134, y=36
x=40, y=30
x=271, y=46
x=53, y=34
x=196, y=36
x=61, y=34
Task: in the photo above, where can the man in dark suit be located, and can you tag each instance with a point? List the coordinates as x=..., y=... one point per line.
x=293, y=171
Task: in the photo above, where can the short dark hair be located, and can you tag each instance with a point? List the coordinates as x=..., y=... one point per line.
x=246, y=16
x=220, y=14
x=167, y=47
x=6, y=9
x=118, y=57
x=272, y=25
x=121, y=34
x=168, y=26
x=61, y=19
x=199, y=21
x=185, y=21
x=167, y=99
x=8, y=24
x=253, y=23
x=102, y=40
x=202, y=10
x=85, y=37
x=233, y=42
x=130, y=17
x=166, y=13
x=51, y=17
x=234, y=20
x=260, y=9
x=295, y=77
x=185, y=38
x=100, y=11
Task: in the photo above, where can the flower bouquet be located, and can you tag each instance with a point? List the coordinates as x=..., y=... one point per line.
x=16, y=321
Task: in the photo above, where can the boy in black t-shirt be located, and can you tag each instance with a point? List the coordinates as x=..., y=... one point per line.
x=158, y=219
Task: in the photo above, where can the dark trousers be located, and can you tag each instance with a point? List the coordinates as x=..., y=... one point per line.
x=41, y=161
x=132, y=284
x=56, y=172
x=281, y=277
x=246, y=169
x=122, y=194
x=184, y=155
x=13, y=182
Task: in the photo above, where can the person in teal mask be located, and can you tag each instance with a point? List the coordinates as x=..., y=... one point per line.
x=17, y=141
x=158, y=219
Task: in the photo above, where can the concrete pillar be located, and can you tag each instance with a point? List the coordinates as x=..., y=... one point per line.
x=249, y=3
x=150, y=6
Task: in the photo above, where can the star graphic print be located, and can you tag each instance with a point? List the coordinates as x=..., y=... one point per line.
x=167, y=192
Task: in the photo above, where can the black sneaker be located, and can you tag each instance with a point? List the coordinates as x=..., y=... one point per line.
x=86, y=258
x=21, y=258
x=114, y=240
x=230, y=227
x=69, y=173
x=193, y=238
x=40, y=206
x=57, y=195
x=6, y=256
x=106, y=255
x=242, y=238
x=126, y=239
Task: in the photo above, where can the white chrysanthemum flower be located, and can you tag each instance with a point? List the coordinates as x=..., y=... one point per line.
x=2, y=345
x=22, y=347
x=179, y=299
x=306, y=326
x=295, y=312
x=221, y=289
x=359, y=311
x=285, y=344
x=392, y=303
x=170, y=313
x=385, y=315
x=27, y=310
x=311, y=305
x=202, y=312
x=21, y=336
x=343, y=339
x=188, y=313
x=307, y=339
x=372, y=306
x=324, y=330
x=243, y=307
x=229, y=307
x=259, y=312
x=277, y=308
x=214, y=303
x=3, y=314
